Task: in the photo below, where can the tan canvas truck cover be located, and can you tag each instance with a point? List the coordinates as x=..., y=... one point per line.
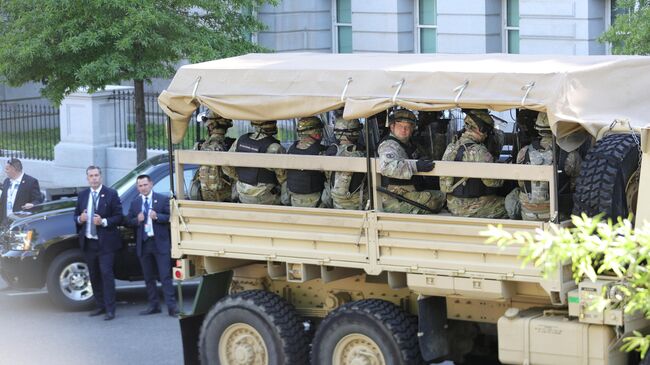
x=575, y=91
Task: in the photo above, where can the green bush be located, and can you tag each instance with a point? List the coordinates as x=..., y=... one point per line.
x=593, y=247
x=36, y=143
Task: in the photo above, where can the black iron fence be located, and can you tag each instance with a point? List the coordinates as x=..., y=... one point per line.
x=157, y=131
x=28, y=131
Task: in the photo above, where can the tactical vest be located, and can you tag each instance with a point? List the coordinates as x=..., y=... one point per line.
x=538, y=191
x=255, y=175
x=410, y=150
x=472, y=187
x=305, y=181
x=347, y=182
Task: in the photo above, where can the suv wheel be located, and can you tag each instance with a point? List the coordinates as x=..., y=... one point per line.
x=68, y=281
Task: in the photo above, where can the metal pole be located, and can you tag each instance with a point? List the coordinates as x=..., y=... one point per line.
x=366, y=131
x=170, y=157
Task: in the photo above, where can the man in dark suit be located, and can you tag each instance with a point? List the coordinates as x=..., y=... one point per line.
x=98, y=214
x=149, y=214
x=19, y=190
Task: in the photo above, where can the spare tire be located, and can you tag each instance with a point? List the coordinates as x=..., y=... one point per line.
x=606, y=178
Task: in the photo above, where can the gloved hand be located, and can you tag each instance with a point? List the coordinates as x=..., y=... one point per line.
x=424, y=165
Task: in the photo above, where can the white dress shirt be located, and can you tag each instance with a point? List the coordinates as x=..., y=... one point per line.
x=148, y=227
x=14, y=184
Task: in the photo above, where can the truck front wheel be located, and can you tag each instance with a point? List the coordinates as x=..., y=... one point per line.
x=253, y=327
x=369, y=331
x=68, y=281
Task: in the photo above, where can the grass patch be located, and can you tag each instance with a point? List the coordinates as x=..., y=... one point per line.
x=34, y=144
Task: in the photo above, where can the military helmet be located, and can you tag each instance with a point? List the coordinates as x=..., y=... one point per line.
x=214, y=120
x=478, y=119
x=347, y=127
x=266, y=126
x=306, y=124
x=541, y=124
x=402, y=115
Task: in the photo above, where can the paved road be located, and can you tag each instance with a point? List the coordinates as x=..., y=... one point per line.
x=33, y=331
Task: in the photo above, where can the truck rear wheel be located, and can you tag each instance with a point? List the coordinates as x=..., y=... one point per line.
x=253, y=327
x=369, y=331
x=608, y=181
x=68, y=281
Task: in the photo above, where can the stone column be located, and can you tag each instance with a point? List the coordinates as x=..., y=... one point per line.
x=88, y=128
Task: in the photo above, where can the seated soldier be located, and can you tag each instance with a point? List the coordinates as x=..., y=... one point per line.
x=306, y=187
x=214, y=184
x=472, y=197
x=257, y=185
x=531, y=200
x=348, y=190
x=397, y=167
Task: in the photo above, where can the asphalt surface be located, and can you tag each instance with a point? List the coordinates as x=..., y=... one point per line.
x=33, y=331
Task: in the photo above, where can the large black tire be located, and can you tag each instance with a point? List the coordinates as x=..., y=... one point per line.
x=68, y=281
x=260, y=317
x=604, y=176
x=393, y=331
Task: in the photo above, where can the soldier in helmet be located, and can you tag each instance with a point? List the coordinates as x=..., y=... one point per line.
x=531, y=200
x=306, y=186
x=214, y=184
x=396, y=165
x=472, y=197
x=256, y=185
x=347, y=188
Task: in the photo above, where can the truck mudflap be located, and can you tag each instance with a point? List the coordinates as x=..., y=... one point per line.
x=212, y=288
x=432, y=323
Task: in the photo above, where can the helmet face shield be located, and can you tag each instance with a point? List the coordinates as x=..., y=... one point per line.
x=269, y=127
x=349, y=129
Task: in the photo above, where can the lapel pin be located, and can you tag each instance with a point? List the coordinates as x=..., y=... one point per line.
x=102, y=195
x=155, y=201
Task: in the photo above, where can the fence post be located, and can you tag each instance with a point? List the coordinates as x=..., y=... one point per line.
x=88, y=128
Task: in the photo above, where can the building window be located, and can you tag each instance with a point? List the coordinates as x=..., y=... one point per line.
x=426, y=24
x=343, y=26
x=511, y=25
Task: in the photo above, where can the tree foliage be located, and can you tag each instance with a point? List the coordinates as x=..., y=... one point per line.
x=594, y=248
x=67, y=44
x=630, y=32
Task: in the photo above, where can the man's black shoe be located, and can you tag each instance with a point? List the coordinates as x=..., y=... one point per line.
x=97, y=313
x=173, y=312
x=109, y=316
x=150, y=310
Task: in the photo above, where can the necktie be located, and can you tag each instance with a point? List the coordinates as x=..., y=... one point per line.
x=147, y=227
x=11, y=196
x=91, y=215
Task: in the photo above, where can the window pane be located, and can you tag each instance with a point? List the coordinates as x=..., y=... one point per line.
x=513, y=13
x=343, y=11
x=345, y=39
x=427, y=12
x=513, y=41
x=427, y=40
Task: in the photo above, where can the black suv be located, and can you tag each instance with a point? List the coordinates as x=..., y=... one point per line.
x=40, y=248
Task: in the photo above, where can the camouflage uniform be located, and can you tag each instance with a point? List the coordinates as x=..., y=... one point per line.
x=307, y=187
x=397, y=168
x=482, y=201
x=215, y=186
x=348, y=189
x=531, y=200
x=272, y=192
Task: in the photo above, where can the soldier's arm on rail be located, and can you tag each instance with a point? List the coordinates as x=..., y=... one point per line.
x=230, y=170
x=480, y=153
x=391, y=164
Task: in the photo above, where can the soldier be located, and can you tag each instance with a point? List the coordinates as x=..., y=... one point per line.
x=397, y=171
x=347, y=188
x=471, y=197
x=306, y=186
x=531, y=200
x=214, y=184
x=256, y=185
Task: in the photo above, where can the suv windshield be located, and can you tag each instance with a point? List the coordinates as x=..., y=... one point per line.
x=123, y=184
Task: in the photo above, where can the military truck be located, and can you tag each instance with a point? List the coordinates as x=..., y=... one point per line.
x=289, y=285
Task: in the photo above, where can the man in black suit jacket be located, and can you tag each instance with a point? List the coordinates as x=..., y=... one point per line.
x=98, y=214
x=149, y=214
x=19, y=190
